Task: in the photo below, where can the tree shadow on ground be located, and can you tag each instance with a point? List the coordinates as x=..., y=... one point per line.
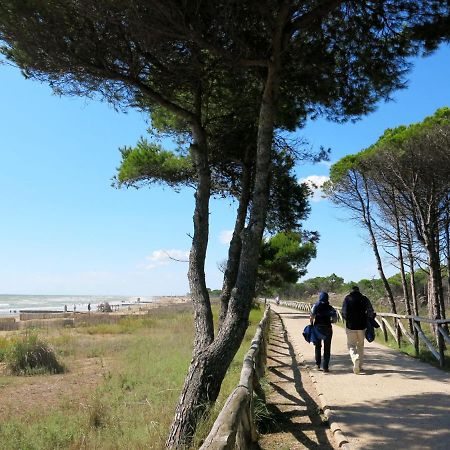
x=411, y=422
x=293, y=411
x=381, y=359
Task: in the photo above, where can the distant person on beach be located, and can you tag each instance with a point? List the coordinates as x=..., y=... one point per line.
x=65, y=308
x=356, y=310
x=89, y=307
x=277, y=300
x=322, y=316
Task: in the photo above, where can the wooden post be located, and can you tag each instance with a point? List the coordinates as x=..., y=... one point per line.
x=398, y=332
x=416, y=337
x=427, y=342
x=383, y=327
x=441, y=346
x=405, y=332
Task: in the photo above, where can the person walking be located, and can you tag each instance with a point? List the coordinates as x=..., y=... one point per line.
x=322, y=316
x=356, y=310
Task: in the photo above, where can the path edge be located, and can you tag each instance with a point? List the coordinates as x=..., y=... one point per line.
x=338, y=435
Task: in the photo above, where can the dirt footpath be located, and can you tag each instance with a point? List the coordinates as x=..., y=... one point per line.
x=399, y=403
x=293, y=404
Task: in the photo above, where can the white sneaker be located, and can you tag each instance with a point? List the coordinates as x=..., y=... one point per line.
x=356, y=368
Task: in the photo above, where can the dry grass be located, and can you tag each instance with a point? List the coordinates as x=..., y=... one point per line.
x=119, y=392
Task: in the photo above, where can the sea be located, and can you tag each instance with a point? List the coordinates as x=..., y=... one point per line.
x=11, y=305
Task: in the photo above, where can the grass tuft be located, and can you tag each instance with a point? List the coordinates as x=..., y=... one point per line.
x=31, y=356
x=98, y=414
x=4, y=344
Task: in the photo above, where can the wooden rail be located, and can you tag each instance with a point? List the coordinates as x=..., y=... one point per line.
x=8, y=324
x=234, y=428
x=398, y=330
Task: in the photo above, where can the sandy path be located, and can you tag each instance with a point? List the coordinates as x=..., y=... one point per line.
x=400, y=403
x=293, y=400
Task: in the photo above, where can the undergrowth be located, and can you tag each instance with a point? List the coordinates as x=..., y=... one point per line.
x=28, y=355
x=132, y=406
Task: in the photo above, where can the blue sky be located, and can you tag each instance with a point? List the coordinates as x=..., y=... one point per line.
x=65, y=230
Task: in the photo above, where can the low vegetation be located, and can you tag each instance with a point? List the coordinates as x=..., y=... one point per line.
x=120, y=389
x=29, y=355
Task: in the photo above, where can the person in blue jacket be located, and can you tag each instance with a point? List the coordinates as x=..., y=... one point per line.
x=322, y=316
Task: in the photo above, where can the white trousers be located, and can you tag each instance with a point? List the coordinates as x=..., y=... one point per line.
x=355, y=345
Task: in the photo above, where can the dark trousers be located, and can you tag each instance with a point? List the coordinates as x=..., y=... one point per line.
x=328, y=333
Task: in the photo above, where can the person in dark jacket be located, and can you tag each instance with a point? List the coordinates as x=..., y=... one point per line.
x=356, y=310
x=322, y=315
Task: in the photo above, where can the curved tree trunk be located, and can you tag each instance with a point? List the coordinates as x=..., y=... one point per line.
x=204, y=327
x=209, y=366
x=234, y=251
x=435, y=280
x=426, y=225
x=366, y=210
x=412, y=282
x=386, y=284
x=401, y=260
x=412, y=274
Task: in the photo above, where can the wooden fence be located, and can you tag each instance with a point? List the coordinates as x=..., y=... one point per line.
x=401, y=327
x=47, y=321
x=234, y=428
x=8, y=324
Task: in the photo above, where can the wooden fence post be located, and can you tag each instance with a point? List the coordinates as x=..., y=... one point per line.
x=398, y=331
x=441, y=347
x=416, y=336
x=385, y=333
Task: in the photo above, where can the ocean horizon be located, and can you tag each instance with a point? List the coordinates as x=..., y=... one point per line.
x=10, y=305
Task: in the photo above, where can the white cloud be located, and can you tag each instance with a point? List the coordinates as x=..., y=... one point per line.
x=315, y=183
x=327, y=163
x=225, y=236
x=164, y=257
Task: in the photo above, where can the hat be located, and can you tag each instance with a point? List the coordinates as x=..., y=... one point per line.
x=355, y=288
x=323, y=297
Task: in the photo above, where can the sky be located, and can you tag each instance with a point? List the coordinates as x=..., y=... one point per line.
x=65, y=230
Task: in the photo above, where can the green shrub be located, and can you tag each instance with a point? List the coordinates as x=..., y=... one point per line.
x=30, y=356
x=4, y=344
x=98, y=414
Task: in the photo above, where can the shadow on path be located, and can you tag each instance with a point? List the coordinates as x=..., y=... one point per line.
x=422, y=424
x=399, y=402
x=296, y=421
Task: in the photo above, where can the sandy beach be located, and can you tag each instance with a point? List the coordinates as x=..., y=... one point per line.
x=48, y=319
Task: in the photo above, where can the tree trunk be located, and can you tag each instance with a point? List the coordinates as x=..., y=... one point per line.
x=412, y=281
x=204, y=327
x=376, y=252
x=234, y=251
x=402, y=265
x=412, y=275
x=386, y=284
x=427, y=230
x=434, y=264
x=439, y=280
x=202, y=384
x=431, y=305
x=208, y=367
x=434, y=280
x=447, y=245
